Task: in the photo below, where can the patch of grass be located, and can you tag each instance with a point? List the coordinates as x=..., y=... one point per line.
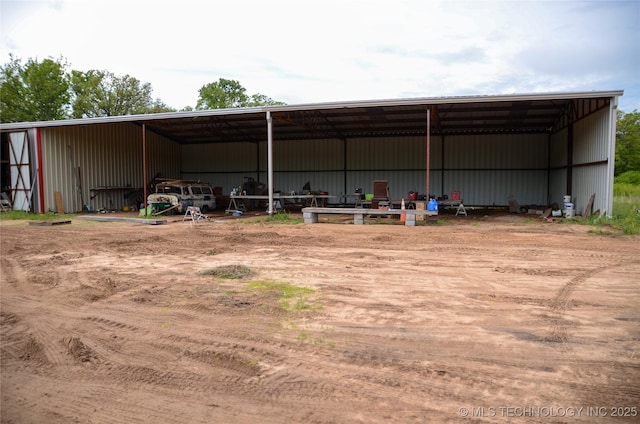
x=302, y=336
x=228, y=271
x=626, y=205
x=280, y=218
x=20, y=215
x=625, y=218
x=617, y=224
x=291, y=298
x=378, y=220
x=601, y=232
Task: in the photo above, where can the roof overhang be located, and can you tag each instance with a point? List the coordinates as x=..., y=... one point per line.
x=490, y=114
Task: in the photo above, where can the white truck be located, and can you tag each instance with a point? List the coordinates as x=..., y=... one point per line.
x=178, y=195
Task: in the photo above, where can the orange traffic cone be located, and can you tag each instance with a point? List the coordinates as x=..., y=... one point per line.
x=403, y=216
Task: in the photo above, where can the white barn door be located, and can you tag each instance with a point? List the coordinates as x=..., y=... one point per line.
x=22, y=180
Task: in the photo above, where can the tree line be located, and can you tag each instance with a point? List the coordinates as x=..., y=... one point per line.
x=48, y=90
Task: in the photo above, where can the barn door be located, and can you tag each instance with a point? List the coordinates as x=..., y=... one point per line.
x=22, y=180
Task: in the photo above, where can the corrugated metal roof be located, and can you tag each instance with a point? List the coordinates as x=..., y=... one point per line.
x=515, y=113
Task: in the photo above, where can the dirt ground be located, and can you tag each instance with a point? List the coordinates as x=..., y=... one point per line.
x=485, y=318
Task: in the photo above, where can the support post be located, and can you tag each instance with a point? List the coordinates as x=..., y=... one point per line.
x=270, y=160
x=428, y=188
x=144, y=166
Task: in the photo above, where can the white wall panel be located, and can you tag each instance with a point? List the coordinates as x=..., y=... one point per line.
x=79, y=158
x=487, y=169
x=222, y=165
x=496, y=151
x=558, y=149
x=557, y=185
x=391, y=153
x=588, y=180
x=496, y=187
x=220, y=157
x=590, y=136
x=558, y=166
x=311, y=155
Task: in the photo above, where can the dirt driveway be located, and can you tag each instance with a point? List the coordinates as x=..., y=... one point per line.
x=482, y=319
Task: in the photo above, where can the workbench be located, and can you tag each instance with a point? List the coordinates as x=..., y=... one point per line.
x=310, y=215
x=236, y=202
x=458, y=204
x=108, y=189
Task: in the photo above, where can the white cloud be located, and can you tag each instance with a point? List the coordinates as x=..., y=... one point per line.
x=303, y=52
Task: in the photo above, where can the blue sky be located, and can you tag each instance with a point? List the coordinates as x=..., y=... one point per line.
x=323, y=51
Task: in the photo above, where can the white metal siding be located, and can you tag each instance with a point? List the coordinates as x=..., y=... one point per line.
x=487, y=170
x=310, y=155
x=388, y=153
x=590, y=136
x=589, y=180
x=591, y=149
x=558, y=149
x=558, y=165
x=106, y=155
x=495, y=187
x=490, y=169
x=222, y=165
x=588, y=164
x=399, y=161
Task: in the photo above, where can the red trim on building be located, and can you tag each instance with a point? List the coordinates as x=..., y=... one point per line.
x=40, y=175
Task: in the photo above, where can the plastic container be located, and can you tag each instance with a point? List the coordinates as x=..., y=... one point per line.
x=432, y=205
x=568, y=206
x=566, y=198
x=413, y=195
x=160, y=206
x=455, y=195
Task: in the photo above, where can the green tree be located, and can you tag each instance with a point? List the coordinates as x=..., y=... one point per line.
x=102, y=93
x=627, y=142
x=221, y=95
x=35, y=91
x=226, y=93
x=158, y=106
x=262, y=100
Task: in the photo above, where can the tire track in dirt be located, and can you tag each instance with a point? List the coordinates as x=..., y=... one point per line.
x=229, y=358
x=559, y=330
x=13, y=273
x=402, y=336
x=32, y=336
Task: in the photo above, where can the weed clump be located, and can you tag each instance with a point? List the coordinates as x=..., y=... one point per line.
x=228, y=271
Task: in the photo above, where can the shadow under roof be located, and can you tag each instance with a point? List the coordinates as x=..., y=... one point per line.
x=499, y=114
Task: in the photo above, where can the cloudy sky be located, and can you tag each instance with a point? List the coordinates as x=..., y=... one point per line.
x=321, y=51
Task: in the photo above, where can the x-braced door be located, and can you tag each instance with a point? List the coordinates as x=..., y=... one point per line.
x=22, y=179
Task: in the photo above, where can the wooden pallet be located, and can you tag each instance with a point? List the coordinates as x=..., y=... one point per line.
x=50, y=223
